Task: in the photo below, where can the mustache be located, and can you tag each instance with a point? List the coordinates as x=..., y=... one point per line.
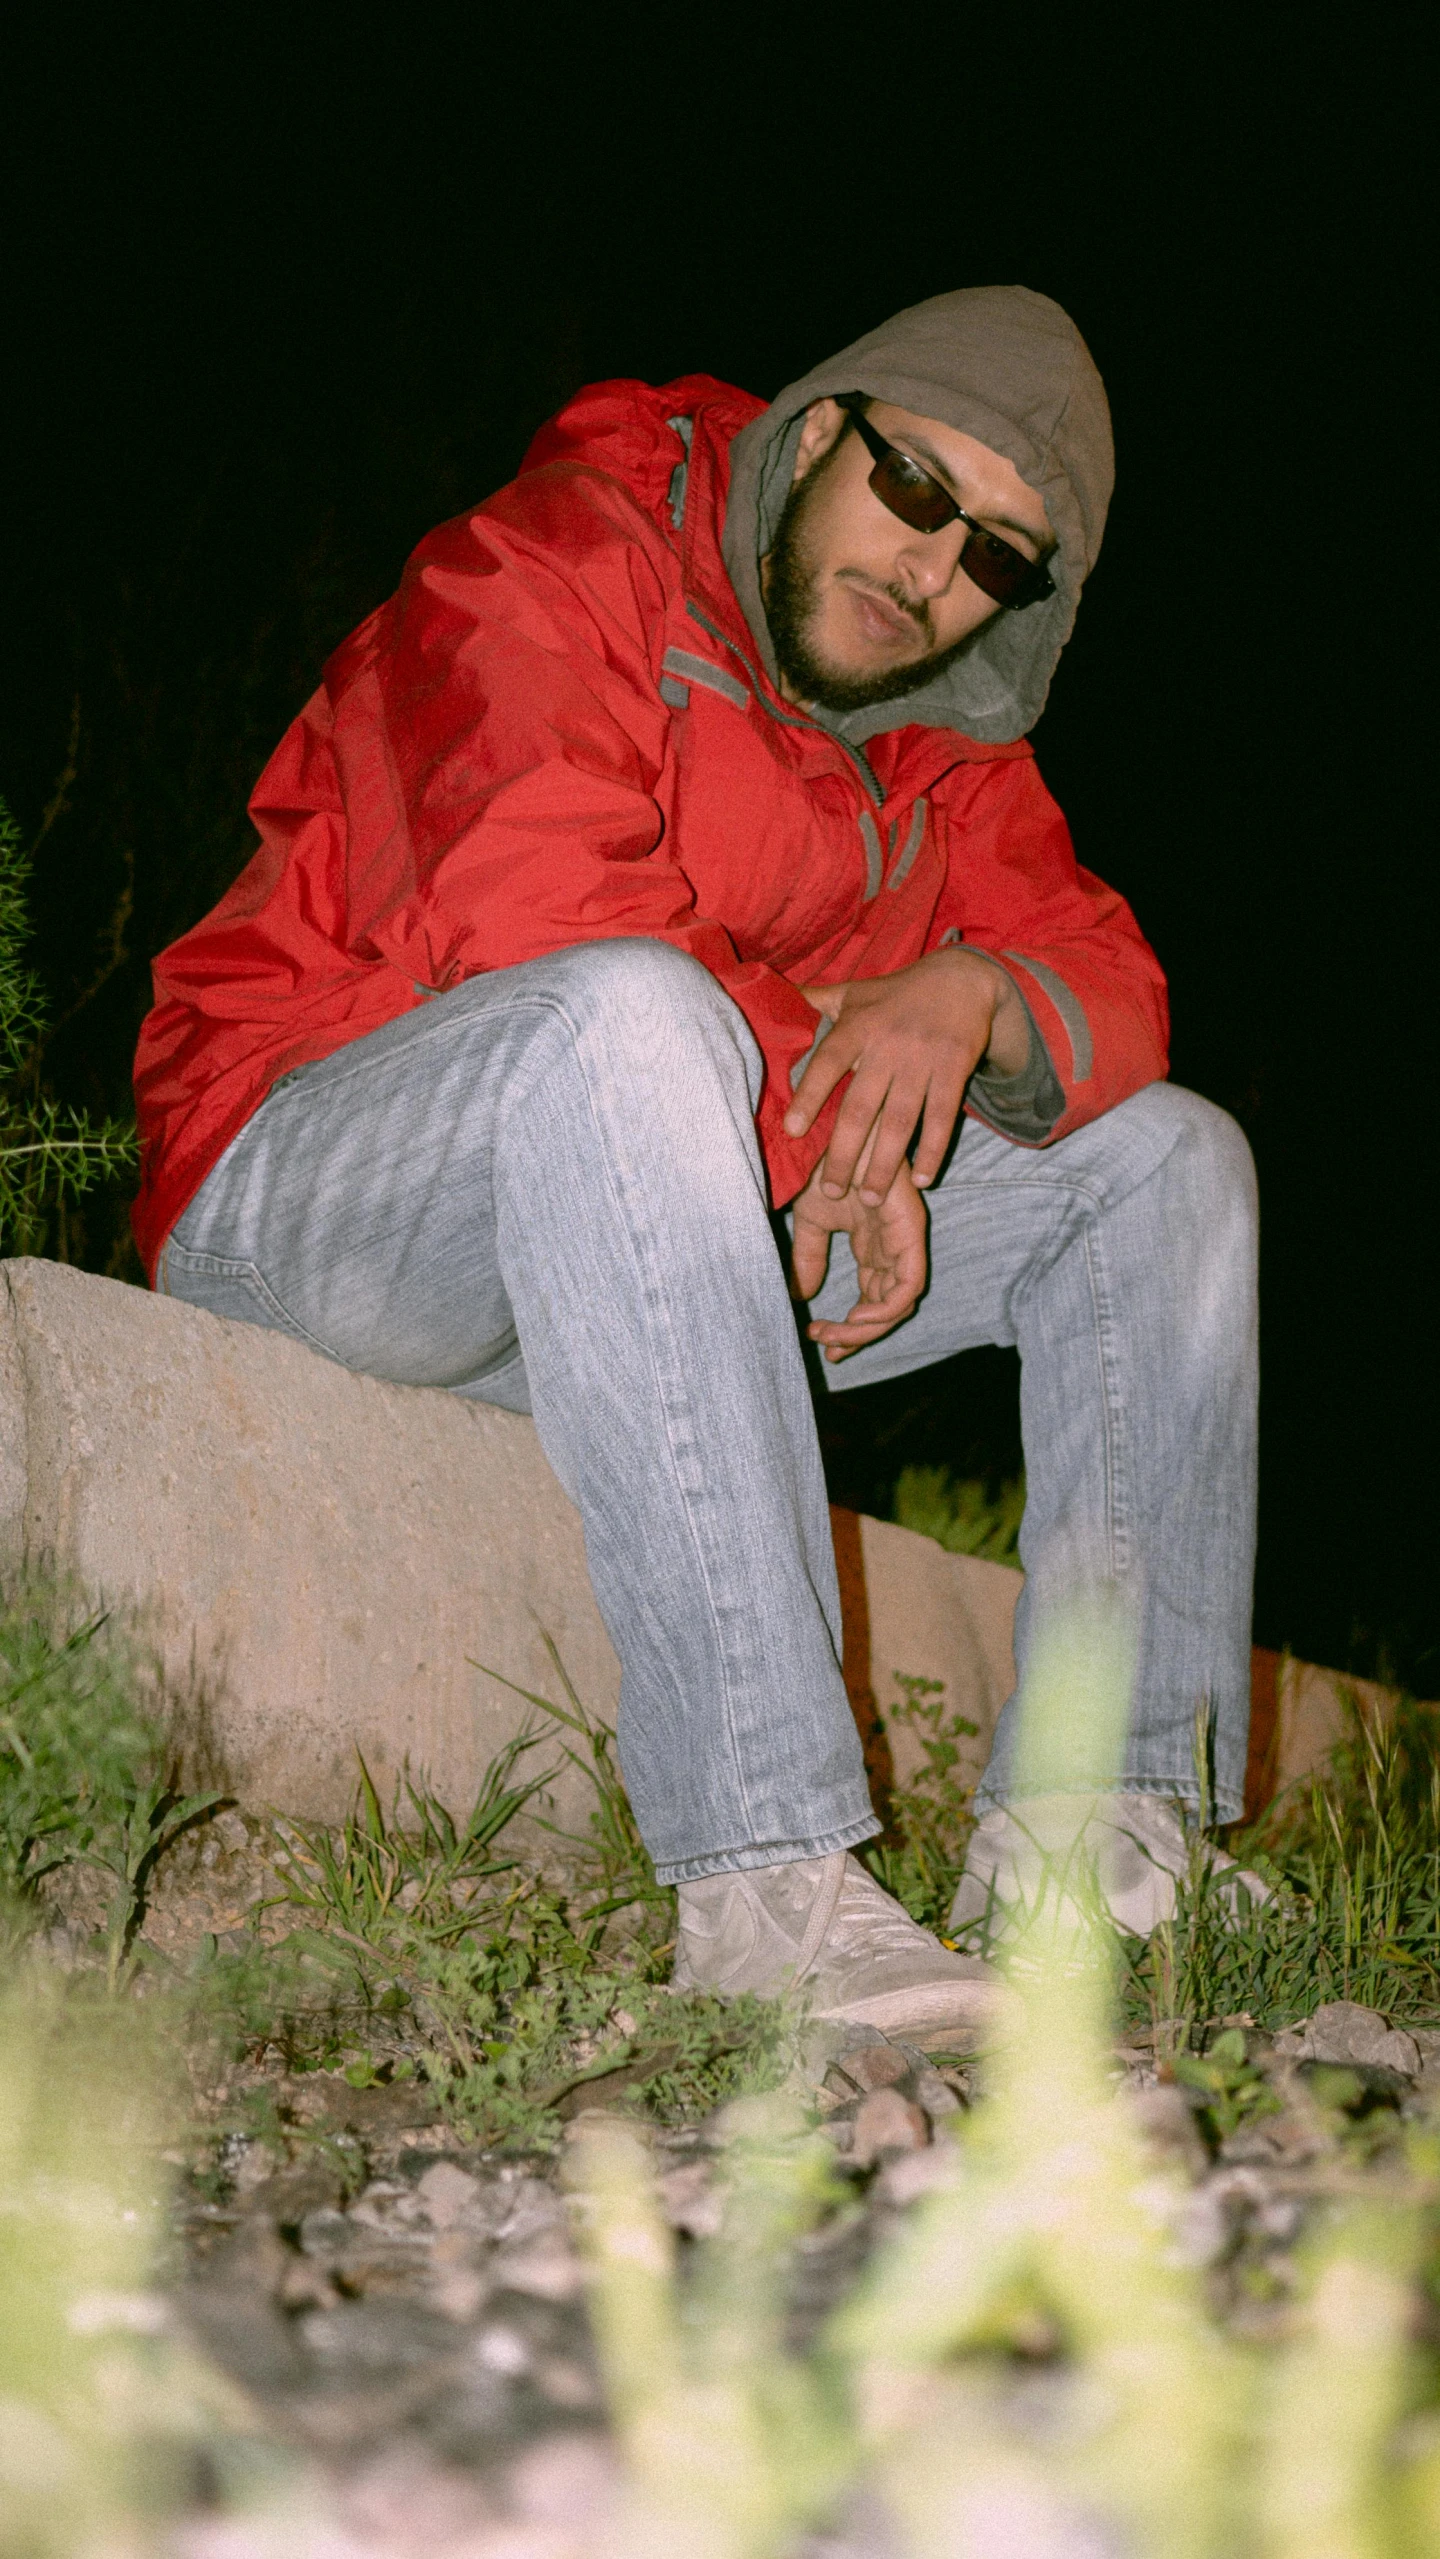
x=919, y=614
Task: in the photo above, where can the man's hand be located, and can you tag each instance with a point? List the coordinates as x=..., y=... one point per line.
x=910, y=1043
x=888, y=1242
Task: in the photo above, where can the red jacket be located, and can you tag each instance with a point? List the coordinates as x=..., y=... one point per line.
x=559, y=731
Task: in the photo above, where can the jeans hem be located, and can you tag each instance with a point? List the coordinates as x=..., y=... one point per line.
x=777, y=1852
x=1224, y=1805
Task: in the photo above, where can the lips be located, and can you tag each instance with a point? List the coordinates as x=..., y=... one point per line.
x=880, y=622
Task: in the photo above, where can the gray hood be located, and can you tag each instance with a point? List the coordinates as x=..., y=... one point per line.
x=1006, y=366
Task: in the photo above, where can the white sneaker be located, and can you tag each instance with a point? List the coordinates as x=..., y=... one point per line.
x=1130, y=1848
x=824, y=1923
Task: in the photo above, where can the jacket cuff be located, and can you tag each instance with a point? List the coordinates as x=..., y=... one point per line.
x=1025, y=1106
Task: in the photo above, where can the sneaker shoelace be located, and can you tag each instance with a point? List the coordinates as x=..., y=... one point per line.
x=822, y=1912
x=867, y=1920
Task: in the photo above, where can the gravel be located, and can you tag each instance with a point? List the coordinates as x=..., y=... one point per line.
x=417, y=2344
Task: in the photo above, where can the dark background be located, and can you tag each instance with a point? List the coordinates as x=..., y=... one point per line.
x=283, y=292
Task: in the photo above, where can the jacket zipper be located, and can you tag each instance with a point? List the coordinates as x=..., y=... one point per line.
x=789, y=719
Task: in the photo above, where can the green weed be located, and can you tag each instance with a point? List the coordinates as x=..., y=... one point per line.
x=1231, y=2090
x=48, y=1153
x=1354, y=1861
x=425, y=1946
x=1032, y=2365
x=84, y=1778
x=931, y=1818
x=964, y=1516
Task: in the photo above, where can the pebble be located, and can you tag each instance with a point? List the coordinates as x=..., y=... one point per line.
x=1343, y=2032
x=430, y=2343
x=448, y=2194
x=887, y=2121
x=874, y=2066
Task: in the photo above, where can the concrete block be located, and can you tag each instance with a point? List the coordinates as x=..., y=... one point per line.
x=316, y=1558
x=943, y=1617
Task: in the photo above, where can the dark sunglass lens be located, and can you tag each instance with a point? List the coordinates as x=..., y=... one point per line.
x=991, y=565
x=911, y=494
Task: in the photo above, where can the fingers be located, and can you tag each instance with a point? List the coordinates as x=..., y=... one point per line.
x=889, y=1245
x=942, y=1110
x=833, y=1059
x=874, y=1103
x=864, y=1323
x=809, y=1256
x=828, y=1000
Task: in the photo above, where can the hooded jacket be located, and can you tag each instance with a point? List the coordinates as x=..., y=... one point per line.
x=565, y=726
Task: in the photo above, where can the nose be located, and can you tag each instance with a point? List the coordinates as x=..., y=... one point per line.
x=926, y=562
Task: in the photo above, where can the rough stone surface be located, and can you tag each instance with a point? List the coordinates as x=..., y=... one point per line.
x=884, y=2121
x=317, y=1557
x=938, y=1616
x=432, y=2401
x=1355, y=2037
x=1314, y=1711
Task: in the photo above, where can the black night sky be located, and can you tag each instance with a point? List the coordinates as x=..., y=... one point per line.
x=285, y=289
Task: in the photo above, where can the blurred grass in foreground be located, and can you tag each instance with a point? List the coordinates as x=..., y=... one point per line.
x=1031, y=2367
x=1136, y=2428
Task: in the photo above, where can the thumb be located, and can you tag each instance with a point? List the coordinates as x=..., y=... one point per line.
x=828, y=1000
x=809, y=1256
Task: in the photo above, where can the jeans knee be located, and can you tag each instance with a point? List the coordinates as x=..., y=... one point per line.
x=634, y=990
x=1209, y=1174
x=634, y=976
x=1219, y=1145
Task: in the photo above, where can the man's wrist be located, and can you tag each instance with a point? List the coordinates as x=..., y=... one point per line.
x=1007, y=1045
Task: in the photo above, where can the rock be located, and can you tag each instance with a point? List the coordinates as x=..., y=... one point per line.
x=930, y=2089
x=548, y=2269
x=448, y=2194
x=524, y=2208
x=1344, y=2033
x=690, y=2199
x=318, y=1559
x=886, y=2121
x=909, y=2174
x=875, y=2066
x=1167, y=2126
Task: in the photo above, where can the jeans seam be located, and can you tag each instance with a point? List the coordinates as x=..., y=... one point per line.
x=245, y=1272
x=551, y=1004
x=1117, y=1514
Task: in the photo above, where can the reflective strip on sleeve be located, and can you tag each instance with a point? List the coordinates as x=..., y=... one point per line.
x=1070, y=1009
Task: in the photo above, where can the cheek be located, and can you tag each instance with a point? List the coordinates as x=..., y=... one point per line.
x=961, y=611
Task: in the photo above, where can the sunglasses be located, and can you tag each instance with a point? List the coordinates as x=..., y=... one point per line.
x=1000, y=572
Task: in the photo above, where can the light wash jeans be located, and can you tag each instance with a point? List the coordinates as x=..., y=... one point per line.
x=544, y=1190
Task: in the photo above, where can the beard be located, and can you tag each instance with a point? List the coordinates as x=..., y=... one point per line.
x=792, y=587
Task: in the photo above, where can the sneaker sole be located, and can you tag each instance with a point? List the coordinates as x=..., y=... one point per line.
x=930, y=2009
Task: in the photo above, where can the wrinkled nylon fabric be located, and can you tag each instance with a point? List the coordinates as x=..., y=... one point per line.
x=1010, y=368
x=497, y=766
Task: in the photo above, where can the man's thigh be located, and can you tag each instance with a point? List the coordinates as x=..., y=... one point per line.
x=354, y=1211
x=374, y=1203
x=1002, y=1215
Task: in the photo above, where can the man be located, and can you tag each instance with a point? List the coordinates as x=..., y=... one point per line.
x=668, y=848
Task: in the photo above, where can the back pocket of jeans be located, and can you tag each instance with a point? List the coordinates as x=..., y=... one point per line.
x=225, y=1285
